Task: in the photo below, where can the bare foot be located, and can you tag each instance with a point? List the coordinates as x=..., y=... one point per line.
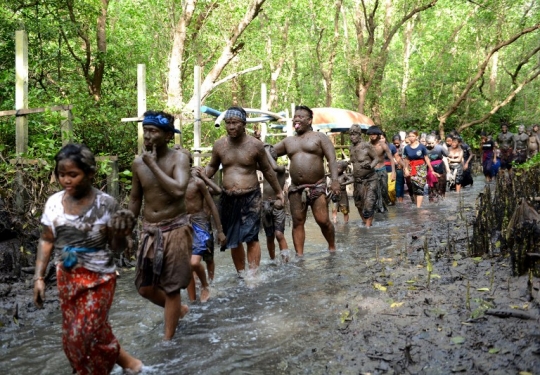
x=131, y=365
x=205, y=294
x=184, y=309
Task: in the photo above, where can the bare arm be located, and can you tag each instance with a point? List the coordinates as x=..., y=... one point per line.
x=428, y=163
x=374, y=157
x=280, y=148
x=391, y=158
x=208, y=181
x=268, y=172
x=175, y=185
x=210, y=202
x=330, y=155
x=136, y=194
x=215, y=161
x=44, y=250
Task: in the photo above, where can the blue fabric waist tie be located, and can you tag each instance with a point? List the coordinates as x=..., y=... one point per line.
x=69, y=255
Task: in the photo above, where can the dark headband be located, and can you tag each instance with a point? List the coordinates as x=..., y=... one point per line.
x=161, y=122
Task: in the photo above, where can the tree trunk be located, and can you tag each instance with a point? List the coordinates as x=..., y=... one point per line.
x=407, y=48
x=230, y=50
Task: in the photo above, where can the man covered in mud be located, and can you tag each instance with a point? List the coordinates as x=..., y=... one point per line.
x=273, y=218
x=160, y=177
x=505, y=144
x=533, y=143
x=383, y=151
x=364, y=160
x=521, y=140
x=306, y=151
x=240, y=203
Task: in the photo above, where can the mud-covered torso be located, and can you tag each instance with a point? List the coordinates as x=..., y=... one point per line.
x=505, y=140
x=307, y=158
x=361, y=159
x=88, y=230
x=240, y=162
x=521, y=141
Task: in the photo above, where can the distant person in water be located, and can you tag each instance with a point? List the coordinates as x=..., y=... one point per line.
x=82, y=226
x=273, y=218
x=455, y=162
x=533, y=143
x=341, y=204
x=198, y=202
x=488, y=156
x=521, y=140
x=505, y=144
x=417, y=163
x=306, y=151
x=240, y=205
x=364, y=160
x=160, y=179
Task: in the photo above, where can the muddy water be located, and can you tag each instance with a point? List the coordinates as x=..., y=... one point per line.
x=281, y=322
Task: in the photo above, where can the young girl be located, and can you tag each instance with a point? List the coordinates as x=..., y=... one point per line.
x=82, y=224
x=415, y=156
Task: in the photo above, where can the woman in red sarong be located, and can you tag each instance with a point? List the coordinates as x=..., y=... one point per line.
x=81, y=225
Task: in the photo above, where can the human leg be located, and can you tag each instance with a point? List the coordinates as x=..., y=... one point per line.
x=320, y=214
x=198, y=269
x=239, y=257
x=253, y=255
x=298, y=213
x=128, y=362
x=174, y=311
x=271, y=246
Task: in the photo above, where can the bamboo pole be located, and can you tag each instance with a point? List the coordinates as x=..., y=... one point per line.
x=141, y=103
x=197, y=123
x=21, y=90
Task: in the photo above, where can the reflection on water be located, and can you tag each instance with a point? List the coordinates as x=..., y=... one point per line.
x=277, y=323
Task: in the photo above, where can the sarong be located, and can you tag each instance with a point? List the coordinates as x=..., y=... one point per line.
x=382, y=190
x=506, y=158
x=87, y=338
x=418, y=176
x=273, y=219
x=310, y=192
x=365, y=194
x=241, y=217
x=439, y=188
x=521, y=156
x=201, y=233
x=456, y=171
x=343, y=204
x=164, y=256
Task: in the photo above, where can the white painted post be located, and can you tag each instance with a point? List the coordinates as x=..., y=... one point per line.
x=141, y=103
x=197, y=122
x=21, y=90
x=264, y=107
x=178, y=125
x=290, y=127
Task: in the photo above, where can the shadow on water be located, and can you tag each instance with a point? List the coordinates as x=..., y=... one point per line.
x=279, y=322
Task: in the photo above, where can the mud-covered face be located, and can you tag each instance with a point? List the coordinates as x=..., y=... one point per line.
x=73, y=179
x=302, y=121
x=423, y=141
x=154, y=136
x=455, y=143
x=235, y=127
x=521, y=129
x=504, y=128
x=448, y=141
x=355, y=137
x=374, y=138
x=397, y=143
x=430, y=144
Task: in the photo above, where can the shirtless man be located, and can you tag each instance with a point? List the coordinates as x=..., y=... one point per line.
x=533, y=143
x=382, y=150
x=306, y=151
x=273, y=218
x=198, y=201
x=536, y=132
x=342, y=204
x=364, y=160
x=521, y=139
x=241, y=155
x=505, y=144
x=160, y=176
x=455, y=161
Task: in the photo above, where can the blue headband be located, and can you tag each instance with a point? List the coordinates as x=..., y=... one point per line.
x=160, y=122
x=233, y=112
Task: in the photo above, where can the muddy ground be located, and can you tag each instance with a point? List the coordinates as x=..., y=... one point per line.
x=430, y=323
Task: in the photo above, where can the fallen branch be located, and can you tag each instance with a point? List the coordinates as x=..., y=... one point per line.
x=508, y=314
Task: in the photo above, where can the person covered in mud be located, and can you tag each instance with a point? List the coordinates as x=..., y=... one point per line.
x=306, y=151
x=82, y=226
x=488, y=156
x=342, y=205
x=417, y=164
x=533, y=143
x=240, y=203
x=382, y=150
x=160, y=179
x=273, y=218
x=364, y=160
x=536, y=131
x=198, y=202
x=521, y=140
x=439, y=162
x=455, y=162
x=505, y=144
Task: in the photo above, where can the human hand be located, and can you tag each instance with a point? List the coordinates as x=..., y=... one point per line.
x=222, y=238
x=198, y=172
x=335, y=186
x=465, y=166
x=39, y=293
x=278, y=203
x=393, y=176
x=122, y=223
x=149, y=157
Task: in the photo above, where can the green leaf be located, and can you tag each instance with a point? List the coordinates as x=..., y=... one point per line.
x=458, y=340
x=483, y=289
x=494, y=350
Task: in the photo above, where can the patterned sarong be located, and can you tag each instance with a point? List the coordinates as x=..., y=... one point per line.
x=365, y=194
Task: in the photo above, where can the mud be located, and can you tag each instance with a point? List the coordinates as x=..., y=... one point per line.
x=418, y=307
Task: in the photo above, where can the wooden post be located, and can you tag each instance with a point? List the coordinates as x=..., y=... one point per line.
x=197, y=123
x=264, y=107
x=67, y=127
x=141, y=103
x=178, y=125
x=21, y=90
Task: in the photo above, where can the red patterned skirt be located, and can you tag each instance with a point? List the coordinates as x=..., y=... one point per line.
x=87, y=338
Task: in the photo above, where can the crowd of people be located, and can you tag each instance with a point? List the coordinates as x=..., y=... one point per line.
x=83, y=227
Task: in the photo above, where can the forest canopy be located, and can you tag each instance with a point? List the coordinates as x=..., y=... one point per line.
x=429, y=65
